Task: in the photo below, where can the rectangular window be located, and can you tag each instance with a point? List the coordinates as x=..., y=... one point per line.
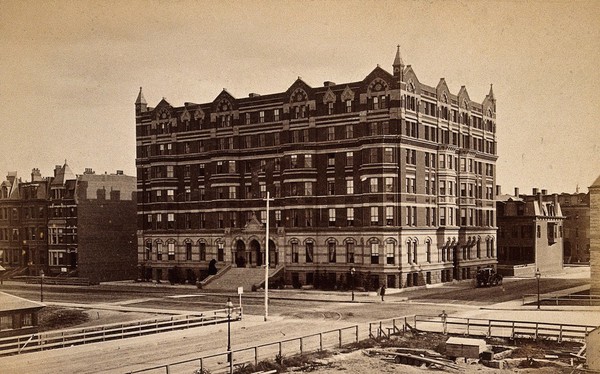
x=276, y=115
x=331, y=251
x=188, y=251
x=331, y=133
x=159, y=251
x=202, y=251
x=349, y=158
x=389, y=184
x=350, y=252
x=388, y=155
x=350, y=216
x=348, y=106
x=295, y=254
x=247, y=118
x=373, y=155
x=308, y=217
x=261, y=116
x=308, y=161
x=374, y=253
x=294, y=161
x=309, y=248
x=331, y=186
x=349, y=186
x=374, y=216
x=171, y=251
x=373, y=185
x=232, y=192
x=331, y=159
x=389, y=215
x=349, y=131
x=308, y=190
x=411, y=157
x=331, y=216
x=221, y=253
x=390, y=253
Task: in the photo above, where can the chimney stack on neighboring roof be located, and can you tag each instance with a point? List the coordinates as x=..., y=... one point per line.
x=544, y=192
x=535, y=191
x=498, y=190
x=517, y=191
x=36, y=176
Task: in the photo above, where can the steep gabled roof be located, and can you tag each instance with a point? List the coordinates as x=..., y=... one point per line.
x=596, y=183
x=64, y=174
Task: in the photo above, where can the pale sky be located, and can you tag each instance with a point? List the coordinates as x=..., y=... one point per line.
x=70, y=71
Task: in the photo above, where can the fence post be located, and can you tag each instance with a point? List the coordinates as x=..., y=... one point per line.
x=167, y=369
x=370, y=331
x=394, y=324
x=201, y=365
x=536, y=331
x=380, y=329
x=512, y=334
x=560, y=334
x=301, y=347
x=468, y=326
x=340, y=337
x=356, y=333
x=255, y=355
x=280, y=350
x=405, y=322
x=320, y=341
x=490, y=328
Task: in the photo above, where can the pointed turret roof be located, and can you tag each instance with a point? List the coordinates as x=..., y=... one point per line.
x=596, y=183
x=491, y=93
x=141, y=99
x=398, y=59
x=63, y=175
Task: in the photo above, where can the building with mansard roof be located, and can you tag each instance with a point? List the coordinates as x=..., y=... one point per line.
x=386, y=175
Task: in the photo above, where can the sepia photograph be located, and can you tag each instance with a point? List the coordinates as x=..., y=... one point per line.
x=309, y=186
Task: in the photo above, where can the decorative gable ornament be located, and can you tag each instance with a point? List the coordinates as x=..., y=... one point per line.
x=199, y=114
x=329, y=97
x=185, y=116
x=347, y=94
x=299, y=95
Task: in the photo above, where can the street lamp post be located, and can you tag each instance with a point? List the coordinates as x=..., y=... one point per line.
x=352, y=271
x=42, y=286
x=229, y=358
x=538, y=275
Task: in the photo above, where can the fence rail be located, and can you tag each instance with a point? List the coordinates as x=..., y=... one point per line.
x=562, y=299
x=254, y=354
x=502, y=328
x=63, y=338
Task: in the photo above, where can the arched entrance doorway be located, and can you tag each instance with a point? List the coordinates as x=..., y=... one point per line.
x=240, y=254
x=255, y=252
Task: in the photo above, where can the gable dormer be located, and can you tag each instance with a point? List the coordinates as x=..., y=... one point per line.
x=464, y=102
x=443, y=96
x=300, y=100
x=224, y=109
x=412, y=83
x=163, y=111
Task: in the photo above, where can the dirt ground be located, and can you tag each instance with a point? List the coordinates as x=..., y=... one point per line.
x=58, y=318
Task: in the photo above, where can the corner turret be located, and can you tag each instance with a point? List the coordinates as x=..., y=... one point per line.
x=140, y=103
x=398, y=64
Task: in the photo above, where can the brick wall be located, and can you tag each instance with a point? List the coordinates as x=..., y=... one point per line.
x=595, y=239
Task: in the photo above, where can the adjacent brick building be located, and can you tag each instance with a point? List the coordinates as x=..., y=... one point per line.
x=67, y=224
x=386, y=175
x=576, y=209
x=530, y=233
x=595, y=237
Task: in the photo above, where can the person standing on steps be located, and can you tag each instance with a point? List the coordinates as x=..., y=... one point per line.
x=382, y=292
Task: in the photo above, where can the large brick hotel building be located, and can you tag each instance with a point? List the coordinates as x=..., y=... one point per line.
x=385, y=175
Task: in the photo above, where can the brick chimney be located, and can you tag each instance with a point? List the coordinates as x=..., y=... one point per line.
x=544, y=192
x=36, y=176
x=498, y=190
x=517, y=191
x=535, y=191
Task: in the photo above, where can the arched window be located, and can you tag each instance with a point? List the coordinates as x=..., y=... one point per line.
x=415, y=253
x=390, y=252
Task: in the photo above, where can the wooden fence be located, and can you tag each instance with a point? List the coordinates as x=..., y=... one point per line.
x=292, y=346
x=562, y=299
x=502, y=328
x=64, y=338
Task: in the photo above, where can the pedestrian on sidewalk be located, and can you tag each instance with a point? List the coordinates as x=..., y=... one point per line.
x=382, y=292
x=444, y=317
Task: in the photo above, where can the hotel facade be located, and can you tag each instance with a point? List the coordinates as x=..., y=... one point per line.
x=387, y=175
